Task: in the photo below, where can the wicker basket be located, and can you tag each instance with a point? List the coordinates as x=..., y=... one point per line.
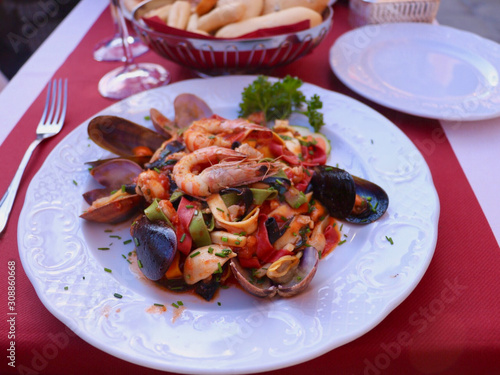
x=364, y=12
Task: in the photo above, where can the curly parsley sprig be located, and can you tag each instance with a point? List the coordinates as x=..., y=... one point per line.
x=279, y=100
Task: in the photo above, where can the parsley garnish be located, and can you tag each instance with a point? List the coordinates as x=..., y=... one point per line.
x=279, y=100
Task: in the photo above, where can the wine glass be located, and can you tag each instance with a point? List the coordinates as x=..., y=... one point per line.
x=112, y=49
x=132, y=77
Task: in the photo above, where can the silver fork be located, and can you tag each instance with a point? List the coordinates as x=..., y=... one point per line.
x=50, y=124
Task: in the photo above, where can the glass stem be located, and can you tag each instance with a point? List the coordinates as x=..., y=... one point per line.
x=122, y=25
x=114, y=16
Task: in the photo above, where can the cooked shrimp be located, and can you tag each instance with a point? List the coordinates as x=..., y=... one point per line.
x=152, y=184
x=210, y=169
x=221, y=132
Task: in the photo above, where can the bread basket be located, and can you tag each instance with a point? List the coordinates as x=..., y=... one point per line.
x=229, y=56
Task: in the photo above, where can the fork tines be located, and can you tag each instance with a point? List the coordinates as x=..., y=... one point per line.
x=48, y=116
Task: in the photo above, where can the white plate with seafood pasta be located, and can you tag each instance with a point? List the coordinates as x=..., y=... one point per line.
x=94, y=292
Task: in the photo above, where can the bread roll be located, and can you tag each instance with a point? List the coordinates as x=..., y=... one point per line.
x=284, y=17
x=253, y=8
x=204, y=6
x=277, y=5
x=193, y=22
x=178, y=16
x=161, y=12
x=220, y=16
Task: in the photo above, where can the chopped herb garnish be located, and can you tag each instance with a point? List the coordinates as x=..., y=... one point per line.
x=210, y=250
x=115, y=236
x=118, y=295
x=390, y=240
x=127, y=242
x=218, y=303
x=189, y=206
x=75, y=183
x=224, y=239
x=194, y=254
x=136, y=241
x=342, y=242
x=219, y=268
x=180, y=303
x=183, y=237
x=107, y=270
x=108, y=230
x=220, y=209
x=175, y=305
x=159, y=304
x=139, y=263
x=66, y=288
x=147, y=118
x=103, y=248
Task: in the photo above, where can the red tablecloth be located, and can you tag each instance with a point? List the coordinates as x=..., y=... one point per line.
x=450, y=324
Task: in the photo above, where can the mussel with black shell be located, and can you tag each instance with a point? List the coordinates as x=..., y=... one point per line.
x=347, y=197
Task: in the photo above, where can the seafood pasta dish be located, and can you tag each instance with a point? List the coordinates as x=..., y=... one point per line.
x=215, y=202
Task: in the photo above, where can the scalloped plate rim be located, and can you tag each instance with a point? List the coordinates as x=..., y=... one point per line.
x=310, y=352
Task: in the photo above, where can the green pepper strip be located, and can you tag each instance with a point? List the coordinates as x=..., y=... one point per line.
x=175, y=195
x=153, y=212
x=295, y=198
x=230, y=199
x=199, y=231
x=260, y=195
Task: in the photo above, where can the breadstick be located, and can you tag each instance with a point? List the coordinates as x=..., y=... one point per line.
x=193, y=22
x=277, y=5
x=284, y=17
x=221, y=16
x=161, y=12
x=253, y=8
x=205, y=6
x=178, y=16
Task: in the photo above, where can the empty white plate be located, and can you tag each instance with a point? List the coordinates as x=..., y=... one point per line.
x=422, y=69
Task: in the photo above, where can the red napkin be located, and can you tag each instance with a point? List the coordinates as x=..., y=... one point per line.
x=157, y=24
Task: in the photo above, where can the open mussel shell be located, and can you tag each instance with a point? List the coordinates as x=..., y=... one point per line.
x=338, y=191
x=156, y=245
x=115, y=211
x=161, y=123
x=116, y=172
x=189, y=108
x=302, y=277
x=141, y=160
x=259, y=288
x=122, y=137
x=92, y=195
x=303, y=274
x=375, y=206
